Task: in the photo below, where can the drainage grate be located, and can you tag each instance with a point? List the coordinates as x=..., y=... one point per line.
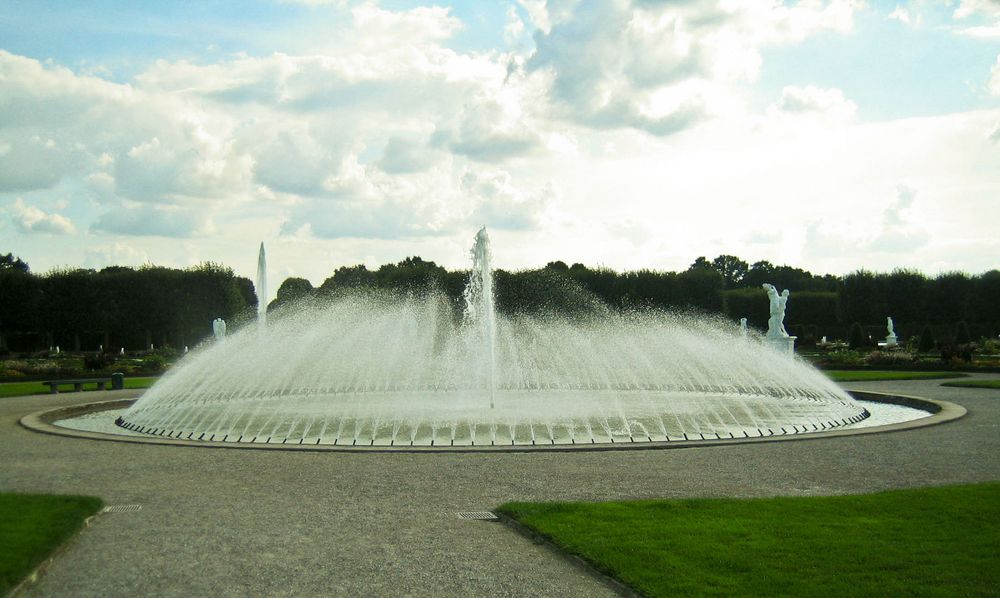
x=479, y=515
x=121, y=508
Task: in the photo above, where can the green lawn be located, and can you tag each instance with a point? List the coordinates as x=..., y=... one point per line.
x=32, y=526
x=974, y=383
x=934, y=541
x=16, y=389
x=873, y=375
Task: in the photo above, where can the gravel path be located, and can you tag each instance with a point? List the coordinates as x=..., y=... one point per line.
x=237, y=523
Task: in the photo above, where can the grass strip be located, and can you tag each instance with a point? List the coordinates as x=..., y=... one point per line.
x=32, y=526
x=932, y=541
x=875, y=375
x=974, y=384
x=18, y=389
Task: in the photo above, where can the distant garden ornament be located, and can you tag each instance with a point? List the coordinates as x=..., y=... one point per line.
x=219, y=328
x=890, y=340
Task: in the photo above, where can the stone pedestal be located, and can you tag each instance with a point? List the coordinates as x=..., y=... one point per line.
x=890, y=341
x=782, y=344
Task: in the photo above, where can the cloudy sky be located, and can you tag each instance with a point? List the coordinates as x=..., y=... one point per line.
x=627, y=133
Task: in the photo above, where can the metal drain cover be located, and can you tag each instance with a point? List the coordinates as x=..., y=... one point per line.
x=478, y=515
x=121, y=508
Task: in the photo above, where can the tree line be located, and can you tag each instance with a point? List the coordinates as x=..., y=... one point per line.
x=116, y=307
x=136, y=307
x=820, y=305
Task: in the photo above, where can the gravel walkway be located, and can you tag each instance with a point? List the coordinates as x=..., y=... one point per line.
x=237, y=523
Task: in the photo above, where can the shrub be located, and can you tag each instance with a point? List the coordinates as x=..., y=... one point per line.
x=989, y=346
x=154, y=363
x=926, y=341
x=890, y=358
x=856, y=337
x=955, y=353
x=843, y=357
x=98, y=361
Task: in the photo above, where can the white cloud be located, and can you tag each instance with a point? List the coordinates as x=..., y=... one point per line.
x=538, y=13
x=664, y=67
x=514, y=28
x=981, y=31
x=815, y=100
x=31, y=219
x=117, y=253
x=403, y=156
x=146, y=220
x=500, y=204
x=29, y=161
x=968, y=8
x=985, y=9
x=993, y=86
x=900, y=14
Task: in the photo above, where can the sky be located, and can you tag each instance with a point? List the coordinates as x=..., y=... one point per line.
x=630, y=134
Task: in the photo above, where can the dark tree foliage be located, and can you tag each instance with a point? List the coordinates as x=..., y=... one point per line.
x=733, y=270
x=985, y=304
x=120, y=306
x=962, y=336
x=291, y=290
x=949, y=297
x=9, y=262
x=544, y=291
x=117, y=306
x=856, y=337
x=927, y=342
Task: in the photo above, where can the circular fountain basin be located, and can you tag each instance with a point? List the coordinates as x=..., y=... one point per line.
x=519, y=417
x=886, y=413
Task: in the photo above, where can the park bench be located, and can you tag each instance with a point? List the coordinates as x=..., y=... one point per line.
x=77, y=384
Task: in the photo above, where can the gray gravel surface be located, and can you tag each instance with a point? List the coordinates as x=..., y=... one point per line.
x=238, y=523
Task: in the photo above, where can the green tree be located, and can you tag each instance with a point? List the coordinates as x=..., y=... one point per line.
x=927, y=343
x=962, y=336
x=291, y=290
x=9, y=262
x=856, y=337
x=733, y=270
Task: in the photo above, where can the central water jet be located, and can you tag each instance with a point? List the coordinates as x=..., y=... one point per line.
x=480, y=307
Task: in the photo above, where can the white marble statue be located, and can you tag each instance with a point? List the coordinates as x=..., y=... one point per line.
x=890, y=340
x=219, y=328
x=776, y=323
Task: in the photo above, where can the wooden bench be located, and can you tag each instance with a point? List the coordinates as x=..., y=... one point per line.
x=77, y=384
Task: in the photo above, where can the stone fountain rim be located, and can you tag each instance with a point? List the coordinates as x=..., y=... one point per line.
x=940, y=412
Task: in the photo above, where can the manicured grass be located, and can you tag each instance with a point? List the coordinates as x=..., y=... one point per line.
x=933, y=541
x=974, y=383
x=873, y=375
x=32, y=526
x=17, y=389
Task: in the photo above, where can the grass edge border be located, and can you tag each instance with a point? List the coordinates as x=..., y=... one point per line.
x=578, y=561
x=39, y=570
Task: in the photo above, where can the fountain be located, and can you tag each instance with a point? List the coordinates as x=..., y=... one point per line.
x=479, y=307
x=378, y=369
x=261, y=287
